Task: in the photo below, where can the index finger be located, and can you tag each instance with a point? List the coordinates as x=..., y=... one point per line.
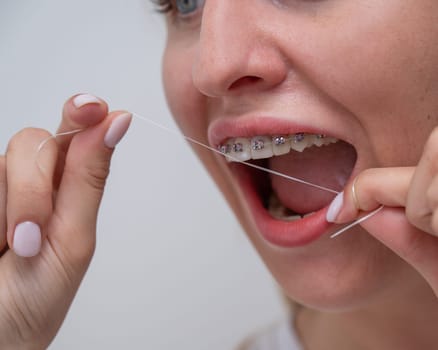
x=369, y=190
x=419, y=208
x=79, y=112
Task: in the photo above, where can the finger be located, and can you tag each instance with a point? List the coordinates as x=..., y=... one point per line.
x=369, y=190
x=389, y=187
x=3, y=241
x=80, y=192
x=422, y=199
x=29, y=190
x=391, y=227
x=79, y=112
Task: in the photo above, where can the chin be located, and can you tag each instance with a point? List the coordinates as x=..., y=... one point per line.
x=343, y=274
x=285, y=220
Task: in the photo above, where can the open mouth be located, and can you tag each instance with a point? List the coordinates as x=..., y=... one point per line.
x=314, y=158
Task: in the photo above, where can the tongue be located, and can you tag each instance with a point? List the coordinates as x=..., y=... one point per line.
x=328, y=166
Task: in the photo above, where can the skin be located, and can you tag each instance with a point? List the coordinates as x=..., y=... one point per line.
x=365, y=69
x=36, y=292
x=371, y=69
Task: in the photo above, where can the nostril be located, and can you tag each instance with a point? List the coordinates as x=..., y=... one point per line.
x=245, y=81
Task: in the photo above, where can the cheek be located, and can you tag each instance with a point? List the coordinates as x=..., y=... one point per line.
x=373, y=61
x=185, y=102
x=189, y=108
x=383, y=75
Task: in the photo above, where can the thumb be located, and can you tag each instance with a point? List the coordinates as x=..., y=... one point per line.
x=83, y=180
x=417, y=248
x=369, y=190
x=388, y=187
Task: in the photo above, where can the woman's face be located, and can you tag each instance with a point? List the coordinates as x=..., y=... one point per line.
x=257, y=77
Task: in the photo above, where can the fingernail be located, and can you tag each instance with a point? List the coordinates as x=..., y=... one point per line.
x=335, y=207
x=117, y=130
x=27, y=239
x=85, y=99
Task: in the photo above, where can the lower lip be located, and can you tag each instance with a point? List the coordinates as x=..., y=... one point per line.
x=280, y=233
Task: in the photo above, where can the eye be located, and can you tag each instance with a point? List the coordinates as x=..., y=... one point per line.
x=187, y=7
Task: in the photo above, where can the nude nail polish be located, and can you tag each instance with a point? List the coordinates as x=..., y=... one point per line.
x=117, y=130
x=85, y=99
x=27, y=239
x=335, y=207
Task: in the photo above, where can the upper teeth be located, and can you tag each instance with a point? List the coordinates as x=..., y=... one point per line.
x=241, y=149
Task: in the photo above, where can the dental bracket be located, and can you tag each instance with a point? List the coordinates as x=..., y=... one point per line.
x=279, y=140
x=258, y=145
x=299, y=137
x=225, y=149
x=238, y=147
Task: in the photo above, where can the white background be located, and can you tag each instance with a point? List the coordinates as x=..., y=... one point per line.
x=172, y=269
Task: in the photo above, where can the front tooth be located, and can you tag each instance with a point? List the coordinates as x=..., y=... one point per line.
x=240, y=149
x=243, y=149
x=319, y=140
x=280, y=145
x=299, y=142
x=261, y=147
x=311, y=140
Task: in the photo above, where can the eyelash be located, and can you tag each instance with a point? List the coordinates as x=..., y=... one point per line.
x=167, y=6
x=163, y=6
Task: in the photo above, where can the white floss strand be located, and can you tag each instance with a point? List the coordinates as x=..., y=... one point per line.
x=357, y=222
x=235, y=159
x=44, y=142
x=190, y=139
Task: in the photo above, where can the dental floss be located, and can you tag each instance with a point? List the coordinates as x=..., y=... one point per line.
x=357, y=222
x=43, y=143
x=233, y=158
x=190, y=139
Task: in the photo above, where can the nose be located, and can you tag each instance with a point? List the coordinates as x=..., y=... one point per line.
x=236, y=52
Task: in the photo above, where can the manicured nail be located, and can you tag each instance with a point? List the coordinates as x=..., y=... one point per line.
x=27, y=239
x=85, y=99
x=335, y=207
x=117, y=130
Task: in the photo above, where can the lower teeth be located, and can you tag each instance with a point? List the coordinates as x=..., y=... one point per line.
x=280, y=212
x=290, y=218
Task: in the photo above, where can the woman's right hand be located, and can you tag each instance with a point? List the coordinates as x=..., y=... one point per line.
x=48, y=208
x=408, y=222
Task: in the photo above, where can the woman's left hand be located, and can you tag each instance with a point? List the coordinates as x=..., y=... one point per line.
x=408, y=223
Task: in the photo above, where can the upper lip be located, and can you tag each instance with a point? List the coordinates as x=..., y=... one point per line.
x=249, y=126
